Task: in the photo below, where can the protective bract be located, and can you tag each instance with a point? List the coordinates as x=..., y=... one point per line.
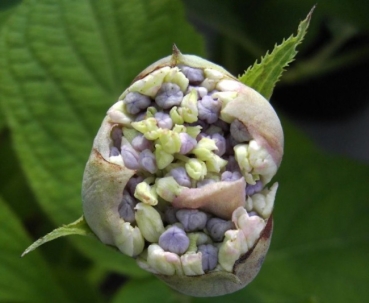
x=178, y=176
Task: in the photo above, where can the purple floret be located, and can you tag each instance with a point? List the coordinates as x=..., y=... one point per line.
x=217, y=227
x=209, y=256
x=187, y=143
x=135, y=102
x=230, y=176
x=209, y=109
x=194, y=75
x=239, y=131
x=192, y=219
x=169, y=95
x=180, y=175
x=130, y=157
x=174, y=240
x=163, y=120
x=220, y=142
x=140, y=143
x=126, y=207
x=147, y=161
x=255, y=188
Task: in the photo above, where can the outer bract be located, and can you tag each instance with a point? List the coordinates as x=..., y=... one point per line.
x=178, y=174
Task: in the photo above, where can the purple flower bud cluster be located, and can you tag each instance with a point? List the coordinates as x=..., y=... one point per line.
x=181, y=176
x=169, y=95
x=126, y=207
x=174, y=240
x=194, y=75
x=192, y=219
x=209, y=256
x=217, y=227
x=254, y=188
x=209, y=109
x=136, y=102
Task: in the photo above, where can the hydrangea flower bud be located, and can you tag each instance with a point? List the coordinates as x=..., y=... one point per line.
x=178, y=166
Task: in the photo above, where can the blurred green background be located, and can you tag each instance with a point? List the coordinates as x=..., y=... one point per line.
x=63, y=63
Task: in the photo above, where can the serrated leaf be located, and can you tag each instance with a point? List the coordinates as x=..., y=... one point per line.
x=78, y=227
x=23, y=280
x=63, y=64
x=264, y=75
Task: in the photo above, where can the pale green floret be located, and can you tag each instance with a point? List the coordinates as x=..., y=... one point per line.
x=169, y=141
x=118, y=114
x=233, y=247
x=188, y=107
x=251, y=227
x=225, y=98
x=263, y=202
x=193, y=131
x=177, y=77
x=196, y=169
x=146, y=193
x=163, y=262
x=130, y=240
x=149, y=222
x=175, y=115
x=241, y=155
x=130, y=133
x=261, y=161
x=168, y=188
x=192, y=264
x=151, y=84
x=148, y=128
x=179, y=128
x=212, y=77
x=215, y=163
x=163, y=159
x=150, y=112
x=196, y=239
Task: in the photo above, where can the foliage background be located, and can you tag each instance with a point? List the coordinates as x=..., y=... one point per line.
x=63, y=63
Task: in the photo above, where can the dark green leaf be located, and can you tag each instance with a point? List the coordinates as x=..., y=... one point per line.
x=64, y=63
x=23, y=280
x=264, y=75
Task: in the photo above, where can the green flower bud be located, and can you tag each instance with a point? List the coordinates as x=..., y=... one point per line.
x=146, y=194
x=149, y=222
x=196, y=169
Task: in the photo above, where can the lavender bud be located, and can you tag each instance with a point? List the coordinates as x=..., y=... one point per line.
x=140, y=143
x=174, y=240
x=252, y=189
x=194, y=75
x=130, y=157
x=147, y=161
x=136, y=102
x=239, y=131
x=126, y=208
x=209, y=256
x=170, y=215
x=116, y=136
x=192, y=219
x=209, y=109
x=220, y=142
x=132, y=183
x=187, y=143
x=169, y=95
x=114, y=151
x=232, y=164
x=217, y=227
x=180, y=175
x=163, y=120
x=230, y=176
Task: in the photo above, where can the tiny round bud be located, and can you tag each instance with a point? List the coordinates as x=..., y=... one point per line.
x=140, y=143
x=147, y=161
x=255, y=188
x=163, y=120
x=126, y=208
x=180, y=175
x=187, y=143
x=231, y=176
x=209, y=256
x=220, y=142
x=192, y=219
x=135, y=102
x=169, y=95
x=217, y=228
x=194, y=75
x=130, y=157
x=239, y=131
x=174, y=240
x=209, y=109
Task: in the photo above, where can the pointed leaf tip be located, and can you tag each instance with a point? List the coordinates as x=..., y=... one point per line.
x=78, y=227
x=264, y=75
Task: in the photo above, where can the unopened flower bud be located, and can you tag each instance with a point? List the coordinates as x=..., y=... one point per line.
x=149, y=222
x=174, y=240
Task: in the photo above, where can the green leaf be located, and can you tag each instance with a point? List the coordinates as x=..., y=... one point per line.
x=264, y=75
x=63, y=64
x=78, y=227
x=147, y=290
x=23, y=280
